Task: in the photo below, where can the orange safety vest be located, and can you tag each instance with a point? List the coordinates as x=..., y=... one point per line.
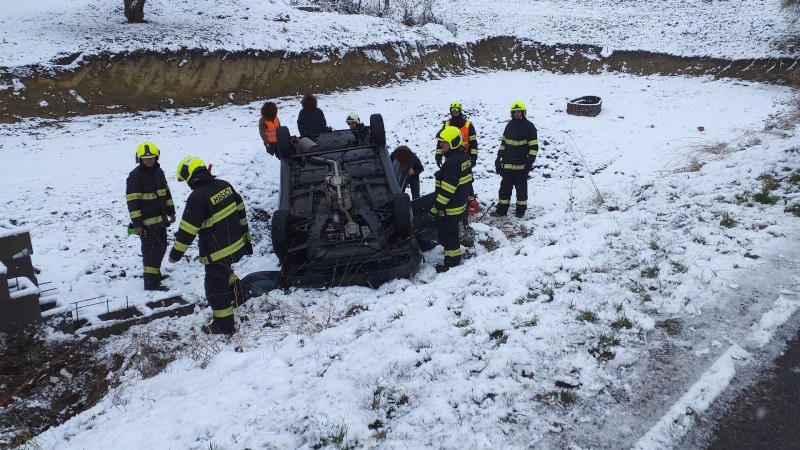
x=464, y=133
x=269, y=132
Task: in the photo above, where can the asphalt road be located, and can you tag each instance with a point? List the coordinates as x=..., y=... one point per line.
x=764, y=413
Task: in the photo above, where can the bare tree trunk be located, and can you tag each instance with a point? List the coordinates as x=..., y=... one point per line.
x=134, y=11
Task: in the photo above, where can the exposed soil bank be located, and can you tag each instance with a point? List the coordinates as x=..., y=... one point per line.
x=145, y=80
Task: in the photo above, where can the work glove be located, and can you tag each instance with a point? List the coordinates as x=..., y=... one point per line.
x=439, y=161
x=248, y=248
x=498, y=167
x=529, y=164
x=473, y=159
x=433, y=214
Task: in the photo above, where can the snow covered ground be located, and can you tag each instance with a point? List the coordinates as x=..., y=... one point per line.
x=585, y=325
x=646, y=276
x=37, y=32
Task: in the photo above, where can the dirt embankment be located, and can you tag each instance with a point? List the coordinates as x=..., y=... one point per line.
x=146, y=80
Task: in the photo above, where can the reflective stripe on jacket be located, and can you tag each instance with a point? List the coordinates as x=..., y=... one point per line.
x=469, y=138
x=519, y=144
x=148, y=197
x=215, y=212
x=452, y=184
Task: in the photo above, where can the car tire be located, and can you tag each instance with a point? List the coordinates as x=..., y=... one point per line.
x=588, y=106
x=280, y=234
x=377, y=130
x=403, y=216
x=285, y=146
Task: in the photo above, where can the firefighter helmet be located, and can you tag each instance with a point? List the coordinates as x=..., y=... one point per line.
x=188, y=166
x=455, y=106
x=451, y=135
x=352, y=117
x=147, y=150
x=518, y=106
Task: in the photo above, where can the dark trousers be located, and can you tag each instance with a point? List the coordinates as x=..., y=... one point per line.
x=413, y=181
x=219, y=283
x=154, y=247
x=448, y=231
x=513, y=179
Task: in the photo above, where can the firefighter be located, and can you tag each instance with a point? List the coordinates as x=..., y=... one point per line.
x=267, y=126
x=215, y=211
x=359, y=130
x=151, y=211
x=469, y=140
x=410, y=161
x=449, y=208
x=515, y=157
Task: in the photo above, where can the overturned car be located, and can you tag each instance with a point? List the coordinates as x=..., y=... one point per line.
x=342, y=218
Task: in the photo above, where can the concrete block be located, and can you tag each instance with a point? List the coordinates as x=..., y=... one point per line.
x=18, y=312
x=14, y=242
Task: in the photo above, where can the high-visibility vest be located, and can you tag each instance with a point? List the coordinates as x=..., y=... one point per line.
x=464, y=133
x=269, y=131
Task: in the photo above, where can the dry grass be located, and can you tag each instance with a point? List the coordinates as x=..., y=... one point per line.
x=697, y=155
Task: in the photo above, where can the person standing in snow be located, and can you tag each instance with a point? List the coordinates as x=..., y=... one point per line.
x=515, y=157
x=267, y=127
x=469, y=139
x=216, y=212
x=311, y=120
x=453, y=180
x=408, y=159
x=151, y=210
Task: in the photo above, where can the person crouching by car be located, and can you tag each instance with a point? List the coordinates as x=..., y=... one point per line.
x=311, y=120
x=360, y=132
x=267, y=127
x=411, y=162
x=453, y=182
x=216, y=212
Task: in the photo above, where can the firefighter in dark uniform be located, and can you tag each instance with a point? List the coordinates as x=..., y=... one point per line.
x=453, y=181
x=215, y=211
x=151, y=210
x=469, y=140
x=518, y=148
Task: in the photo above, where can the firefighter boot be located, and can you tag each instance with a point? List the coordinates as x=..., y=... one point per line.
x=501, y=210
x=220, y=325
x=520, y=212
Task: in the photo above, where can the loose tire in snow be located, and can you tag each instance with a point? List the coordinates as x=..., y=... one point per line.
x=585, y=106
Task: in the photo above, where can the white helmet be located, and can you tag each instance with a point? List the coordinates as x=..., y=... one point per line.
x=353, y=117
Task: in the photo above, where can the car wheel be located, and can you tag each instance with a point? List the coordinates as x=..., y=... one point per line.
x=280, y=234
x=403, y=216
x=378, y=132
x=285, y=147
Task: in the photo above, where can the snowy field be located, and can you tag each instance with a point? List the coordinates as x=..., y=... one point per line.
x=641, y=235
x=38, y=32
